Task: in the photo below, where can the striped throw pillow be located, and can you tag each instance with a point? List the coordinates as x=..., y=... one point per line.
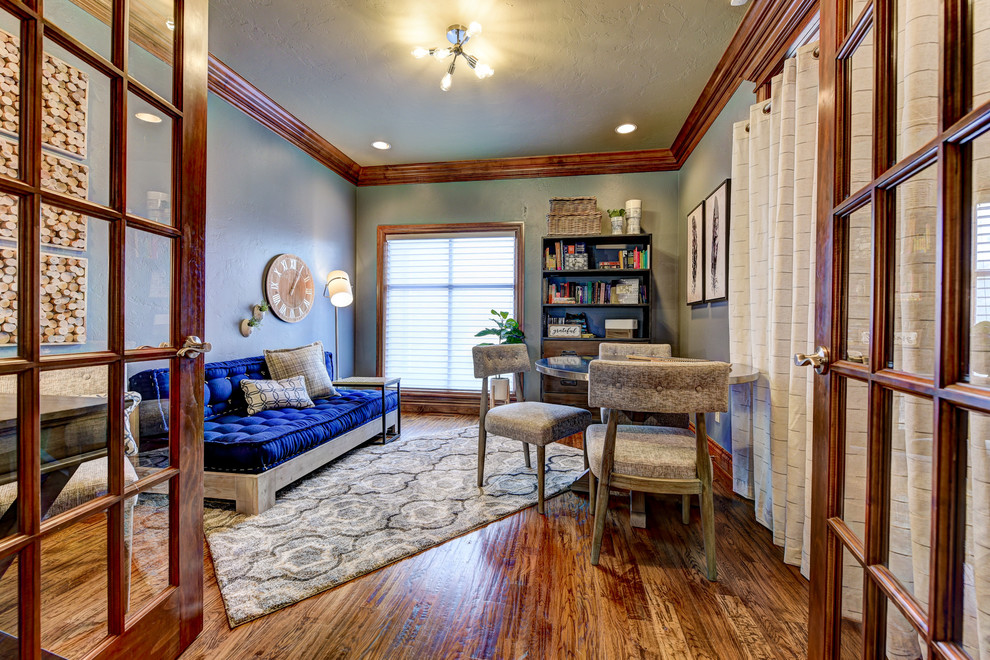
x=306, y=361
x=273, y=394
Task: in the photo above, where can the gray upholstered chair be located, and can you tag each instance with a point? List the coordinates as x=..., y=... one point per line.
x=612, y=350
x=655, y=459
x=621, y=351
x=530, y=422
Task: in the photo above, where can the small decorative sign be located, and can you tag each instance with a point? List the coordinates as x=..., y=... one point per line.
x=576, y=261
x=562, y=330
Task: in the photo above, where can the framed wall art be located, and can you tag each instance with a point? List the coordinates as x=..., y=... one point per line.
x=696, y=255
x=717, y=244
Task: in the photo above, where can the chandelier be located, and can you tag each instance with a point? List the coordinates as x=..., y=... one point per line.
x=458, y=35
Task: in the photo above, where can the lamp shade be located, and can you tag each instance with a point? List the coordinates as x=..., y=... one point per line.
x=339, y=289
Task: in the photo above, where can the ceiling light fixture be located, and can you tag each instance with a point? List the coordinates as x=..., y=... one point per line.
x=381, y=144
x=625, y=128
x=148, y=117
x=170, y=24
x=738, y=3
x=457, y=35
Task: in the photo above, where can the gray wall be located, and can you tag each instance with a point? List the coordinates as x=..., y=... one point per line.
x=525, y=200
x=704, y=329
x=265, y=197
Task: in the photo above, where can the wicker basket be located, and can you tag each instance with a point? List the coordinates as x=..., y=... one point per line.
x=573, y=225
x=574, y=206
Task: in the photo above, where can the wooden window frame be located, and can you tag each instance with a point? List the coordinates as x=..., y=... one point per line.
x=435, y=400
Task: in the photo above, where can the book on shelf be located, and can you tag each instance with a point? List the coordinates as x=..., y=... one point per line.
x=604, y=257
x=624, y=292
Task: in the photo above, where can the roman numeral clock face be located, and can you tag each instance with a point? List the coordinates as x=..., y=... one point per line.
x=289, y=288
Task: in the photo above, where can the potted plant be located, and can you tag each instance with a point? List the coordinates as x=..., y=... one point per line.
x=617, y=217
x=508, y=331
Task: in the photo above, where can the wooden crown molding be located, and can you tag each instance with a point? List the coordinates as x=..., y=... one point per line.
x=616, y=162
x=231, y=87
x=755, y=52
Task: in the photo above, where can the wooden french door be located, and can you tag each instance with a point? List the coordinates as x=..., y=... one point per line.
x=102, y=206
x=902, y=440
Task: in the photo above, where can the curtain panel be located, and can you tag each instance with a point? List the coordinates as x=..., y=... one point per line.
x=772, y=298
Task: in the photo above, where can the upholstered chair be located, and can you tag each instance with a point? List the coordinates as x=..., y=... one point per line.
x=530, y=422
x=655, y=459
x=621, y=351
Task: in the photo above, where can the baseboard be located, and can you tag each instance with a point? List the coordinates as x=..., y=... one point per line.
x=721, y=458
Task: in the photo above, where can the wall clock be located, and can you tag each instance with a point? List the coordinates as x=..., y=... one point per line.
x=289, y=288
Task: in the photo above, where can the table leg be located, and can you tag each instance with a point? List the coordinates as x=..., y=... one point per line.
x=384, y=419
x=52, y=485
x=637, y=509
x=398, y=410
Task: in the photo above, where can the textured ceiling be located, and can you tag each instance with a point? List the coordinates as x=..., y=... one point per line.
x=566, y=72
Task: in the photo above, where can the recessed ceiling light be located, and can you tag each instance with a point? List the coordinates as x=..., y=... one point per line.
x=381, y=144
x=148, y=117
x=625, y=128
x=170, y=24
x=738, y=3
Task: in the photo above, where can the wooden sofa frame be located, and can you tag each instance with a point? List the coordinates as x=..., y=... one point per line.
x=255, y=493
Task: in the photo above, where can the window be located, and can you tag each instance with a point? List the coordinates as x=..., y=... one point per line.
x=438, y=291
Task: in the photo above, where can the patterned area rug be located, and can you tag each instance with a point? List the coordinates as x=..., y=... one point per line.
x=371, y=507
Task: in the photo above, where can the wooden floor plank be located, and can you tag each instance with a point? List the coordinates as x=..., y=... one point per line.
x=524, y=587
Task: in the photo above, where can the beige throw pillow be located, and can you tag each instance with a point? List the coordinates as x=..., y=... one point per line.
x=306, y=361
x=274, y=394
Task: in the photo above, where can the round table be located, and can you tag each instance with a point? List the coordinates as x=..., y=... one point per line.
x=576, y=367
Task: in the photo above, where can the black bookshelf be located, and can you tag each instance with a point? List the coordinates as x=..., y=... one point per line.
x=599, y=248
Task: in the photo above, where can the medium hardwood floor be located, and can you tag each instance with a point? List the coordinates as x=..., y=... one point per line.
x=523, y=587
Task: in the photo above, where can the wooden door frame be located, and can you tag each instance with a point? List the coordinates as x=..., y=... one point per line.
x=144, y=632
x=951, y=397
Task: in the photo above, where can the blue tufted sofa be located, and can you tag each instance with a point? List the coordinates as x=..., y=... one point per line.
x=248, y=458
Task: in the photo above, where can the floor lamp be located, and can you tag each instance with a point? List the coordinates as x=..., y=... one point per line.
x=338, y=290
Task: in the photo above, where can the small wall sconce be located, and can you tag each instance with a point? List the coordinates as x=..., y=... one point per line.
x=257, y=316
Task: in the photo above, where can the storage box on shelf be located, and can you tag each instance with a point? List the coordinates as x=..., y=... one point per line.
x=574, y=216
x=613, y=284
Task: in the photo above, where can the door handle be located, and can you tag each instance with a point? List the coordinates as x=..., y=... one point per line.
x=819, y=360
x=568, y=352
x=193, y=347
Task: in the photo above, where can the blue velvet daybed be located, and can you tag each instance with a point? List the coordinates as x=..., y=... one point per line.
x=248, y=458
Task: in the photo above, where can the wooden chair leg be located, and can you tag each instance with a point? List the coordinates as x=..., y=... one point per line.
x=541, y=466
x=591, y=490
x=685, y=509
x=584, y=447
x=482, y=436
x=601, y=511
x=708, y=527
x=526, y=454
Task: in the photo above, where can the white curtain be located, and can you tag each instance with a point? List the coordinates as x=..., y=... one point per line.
x=771, y=300
x=771, y=306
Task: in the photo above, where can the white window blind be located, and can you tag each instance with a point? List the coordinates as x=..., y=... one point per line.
x=439, y=292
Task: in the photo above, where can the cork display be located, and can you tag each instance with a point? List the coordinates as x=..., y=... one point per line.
x=59, y=227
x=63, y=276
x=63, y=298
x=64, y=93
